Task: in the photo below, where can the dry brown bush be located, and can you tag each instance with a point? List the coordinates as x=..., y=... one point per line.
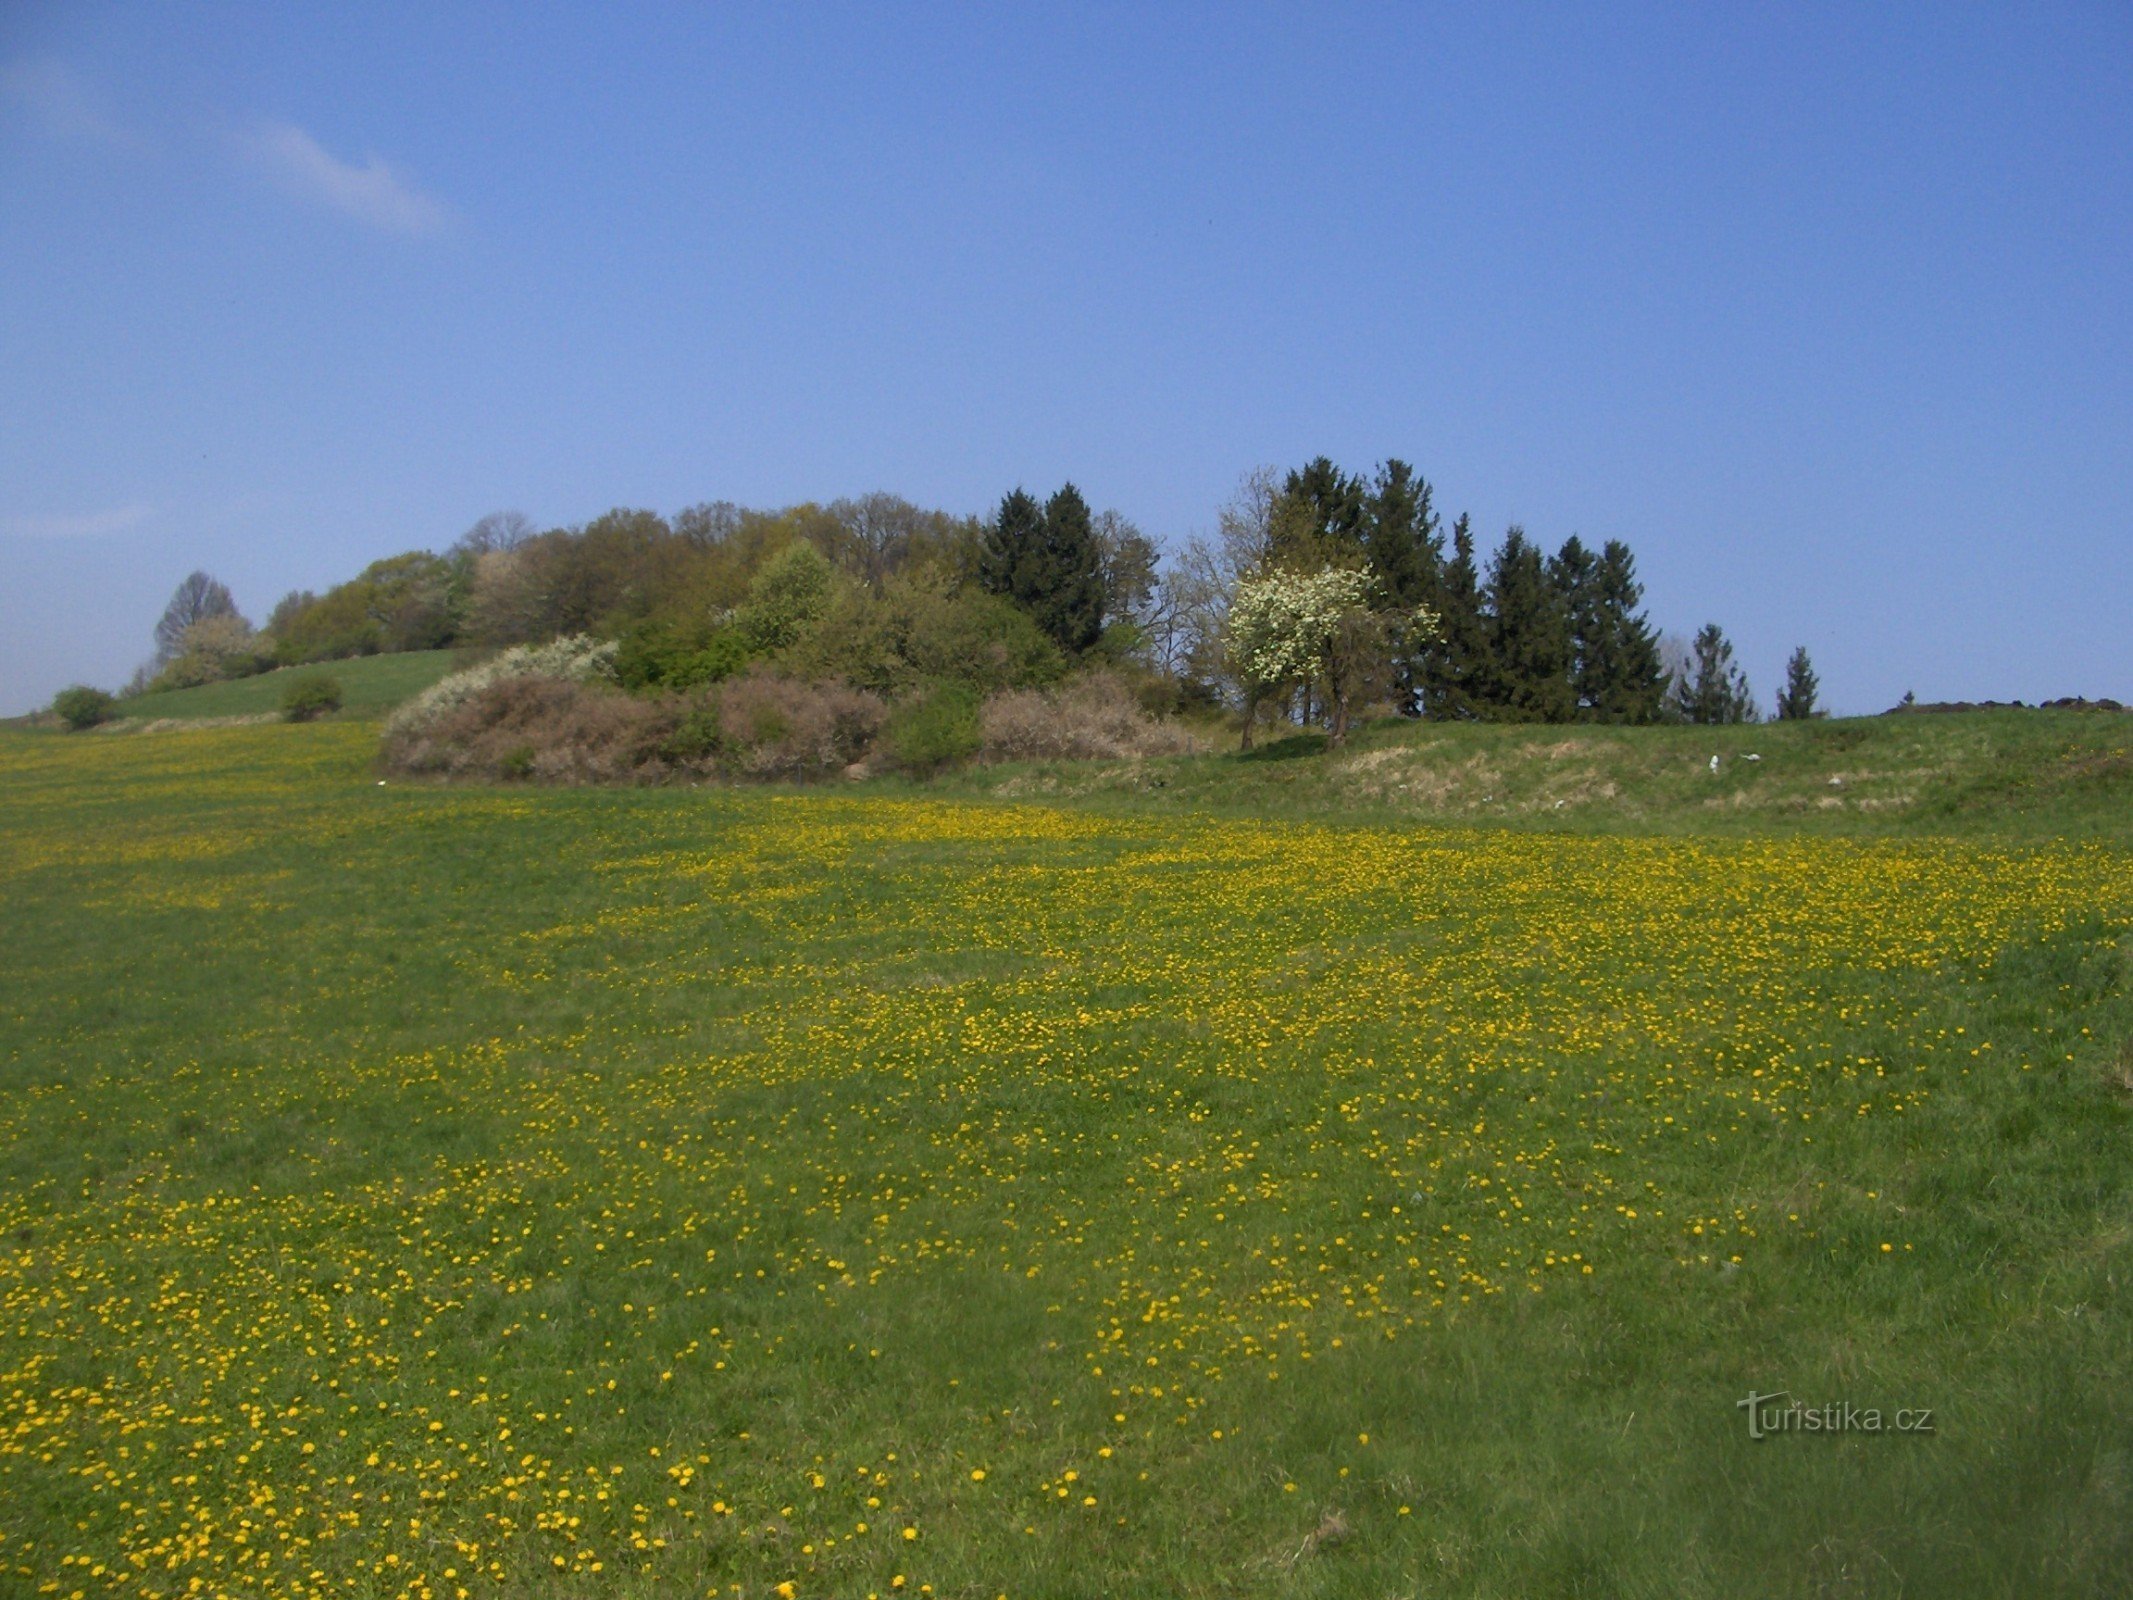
x=1093, y=718
x=542, y=729
x=776, y=727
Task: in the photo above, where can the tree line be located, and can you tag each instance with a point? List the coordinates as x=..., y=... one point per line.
x=1319, y=593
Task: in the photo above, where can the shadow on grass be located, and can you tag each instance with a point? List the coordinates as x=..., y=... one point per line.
x=1294, y=748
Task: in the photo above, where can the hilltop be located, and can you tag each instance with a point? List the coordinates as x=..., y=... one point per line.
x=2031, y=772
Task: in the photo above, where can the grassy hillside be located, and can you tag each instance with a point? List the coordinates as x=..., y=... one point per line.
x=2031, y=772
x=412, y=1190
x=370, y=685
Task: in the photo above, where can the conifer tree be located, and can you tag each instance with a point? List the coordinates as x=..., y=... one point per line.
x=1797, y=698
x=1322, y=518
x=1406, y=551
x=1048, y=561
x=1015, y=531
x=1621, y=676
x=1067, y=596
x=1455, y=667
x=1529, y=637
x=1713, y=690
x=1574, y=572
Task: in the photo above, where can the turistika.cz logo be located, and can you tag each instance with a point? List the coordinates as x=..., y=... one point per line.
x=1773, y=1414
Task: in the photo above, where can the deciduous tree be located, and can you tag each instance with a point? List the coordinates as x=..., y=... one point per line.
x=198, y=598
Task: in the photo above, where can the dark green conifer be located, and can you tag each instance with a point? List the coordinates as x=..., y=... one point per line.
x=1529, y=638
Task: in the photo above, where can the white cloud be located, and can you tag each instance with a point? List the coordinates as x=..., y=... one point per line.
x=371, y=193
x=84, y=525
x=62, y=104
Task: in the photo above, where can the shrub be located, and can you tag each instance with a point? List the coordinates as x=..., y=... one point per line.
x=213, y=650
x=545, y=729
x=309, y=695
x=776, y=727
x=576, y=659
x=1092, y=718
x=918, y=631
x=936, y=730
x=656, y=655
x=82, y=706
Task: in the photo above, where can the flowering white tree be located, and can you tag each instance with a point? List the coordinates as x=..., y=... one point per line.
x=1292, y=628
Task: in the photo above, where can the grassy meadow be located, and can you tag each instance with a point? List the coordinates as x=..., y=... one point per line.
x=1201, y=1179
x=370, y=685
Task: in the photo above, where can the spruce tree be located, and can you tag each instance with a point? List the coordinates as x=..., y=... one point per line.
x=1322, y=520
x=1455, y=667
x=1797, y=698
x=1406, y=552
x=1048, y=561
x=1714, y=690
x=1014, y=532
x=1574, y=573
x=1621, y=676
x=1066, y=591
x=1529, y=637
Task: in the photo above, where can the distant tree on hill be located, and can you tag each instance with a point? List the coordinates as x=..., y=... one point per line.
x=1529, y=637
x=198, y=598
x=1321, y=519
x=874, y=535
x=1713, y=690
x=1405, y=545
x=1016, y=529
x=499, y=530
x=1048, y=562
x=1071, y=573
x=1455, y=666
x=1620, y=676
x=1129, y=561
x=1325, y=629
x=1797, y=698
x=789, y=594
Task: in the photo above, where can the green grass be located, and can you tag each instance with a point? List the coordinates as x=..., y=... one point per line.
x=409, y=1189
x=2030, y=773
x=370, y=686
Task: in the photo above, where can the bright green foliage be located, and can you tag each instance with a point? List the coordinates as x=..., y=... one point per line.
x=786, y=598
x=1715, y=691
x=308, y=696
x=82, y=706
x=921, y=629
x=1797, y=698
x=1529, y=638
x=403, y=602
x=657, y=654
x=934, y=731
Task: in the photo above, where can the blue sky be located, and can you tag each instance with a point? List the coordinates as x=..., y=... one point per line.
x=1828, y=312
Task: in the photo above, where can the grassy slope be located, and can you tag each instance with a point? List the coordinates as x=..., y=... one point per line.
x=347, y=1127
x=2026, y=773
x=370, y=685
